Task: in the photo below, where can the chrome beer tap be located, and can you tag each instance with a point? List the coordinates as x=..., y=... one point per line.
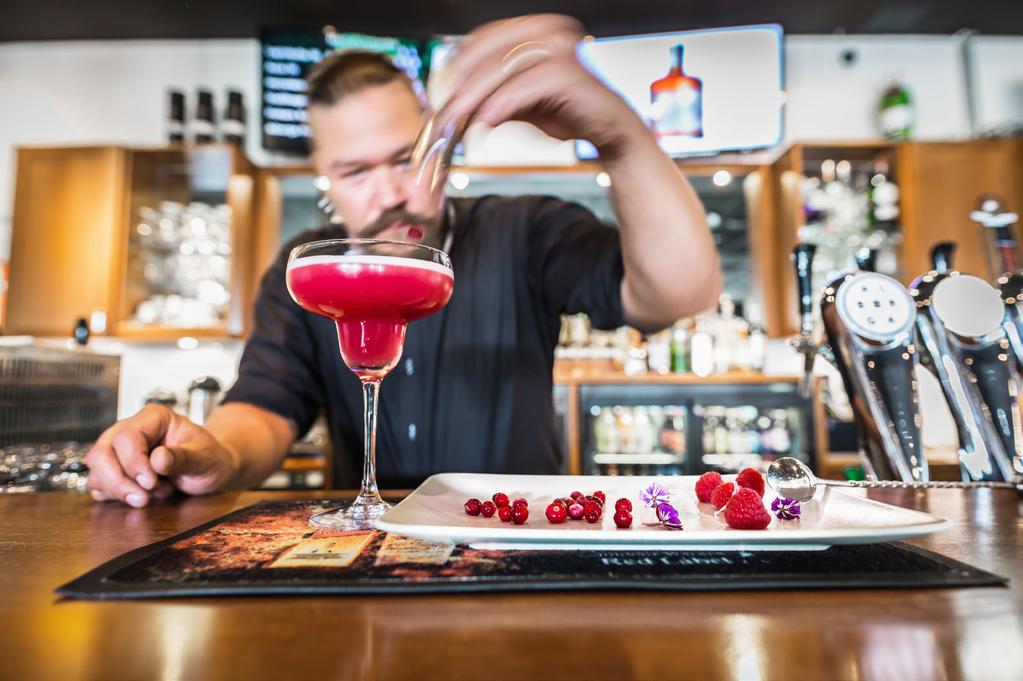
x=958, y=324
x=869, y=320
x=999, y=223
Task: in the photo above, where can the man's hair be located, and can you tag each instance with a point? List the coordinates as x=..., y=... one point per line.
x=347, y=72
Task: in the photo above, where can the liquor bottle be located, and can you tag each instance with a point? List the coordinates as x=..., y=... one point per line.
x=658, y=353
x=781, y=438
x=677, y=102
x=232, y=127
x=680, y=348
x=710, y=426
x=176, y=117
x=625, y=432
x=202, y=124
x=701, y=350
x=757, y=341
x=643, y=438
x=895, y=113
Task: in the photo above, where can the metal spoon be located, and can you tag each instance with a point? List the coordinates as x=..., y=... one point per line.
x=792, y=478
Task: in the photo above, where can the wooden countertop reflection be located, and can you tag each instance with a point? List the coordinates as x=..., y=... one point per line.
x=48, y=539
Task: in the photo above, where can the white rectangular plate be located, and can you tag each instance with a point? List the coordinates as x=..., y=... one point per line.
x=434, y=511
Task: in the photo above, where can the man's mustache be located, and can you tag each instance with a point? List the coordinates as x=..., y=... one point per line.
x=427, y=224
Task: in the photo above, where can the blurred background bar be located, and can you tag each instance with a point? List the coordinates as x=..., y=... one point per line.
x=154, y=161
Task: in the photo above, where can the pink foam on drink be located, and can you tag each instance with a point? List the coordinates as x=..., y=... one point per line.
x=372, y=298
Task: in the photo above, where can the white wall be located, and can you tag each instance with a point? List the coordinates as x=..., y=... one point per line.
x=996, y=71
x=115, y=92
x=831, y=100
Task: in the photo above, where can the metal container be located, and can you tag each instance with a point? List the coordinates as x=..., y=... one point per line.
x=51, y=393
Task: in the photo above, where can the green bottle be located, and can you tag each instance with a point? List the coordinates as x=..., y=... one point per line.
x=679, y=348
x=895, y=113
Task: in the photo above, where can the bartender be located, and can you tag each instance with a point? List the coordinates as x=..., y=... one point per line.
x=473, y=389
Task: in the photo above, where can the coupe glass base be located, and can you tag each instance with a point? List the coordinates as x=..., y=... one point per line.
x=360, y=514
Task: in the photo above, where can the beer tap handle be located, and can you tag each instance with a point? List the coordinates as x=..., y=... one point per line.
x=991, y=214
x=802, y=259
x=866, y=259
x=941, y=256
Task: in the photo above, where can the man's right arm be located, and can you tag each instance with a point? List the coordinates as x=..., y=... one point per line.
x=275, y=399
x=258, y=439
x=158, y=451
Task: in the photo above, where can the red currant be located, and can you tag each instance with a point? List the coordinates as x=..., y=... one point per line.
x=592, y=513
x=623, y=505
x=556, y=513
x=472, y=507
x=488, y=509
x=501, y=499
x=600, y=495
x=623, y=519
x=505, y=513
x=519, y=514
x=575, y=511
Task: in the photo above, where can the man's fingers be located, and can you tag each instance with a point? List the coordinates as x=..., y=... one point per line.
x=132, y=451
x=175, y=461
x=107, y=476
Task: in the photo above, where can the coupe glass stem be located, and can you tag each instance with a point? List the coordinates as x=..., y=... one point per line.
x=370, y=394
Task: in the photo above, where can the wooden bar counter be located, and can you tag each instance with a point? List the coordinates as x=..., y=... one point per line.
x=48, y=539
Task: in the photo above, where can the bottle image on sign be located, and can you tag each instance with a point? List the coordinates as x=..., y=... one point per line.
x=676, y=102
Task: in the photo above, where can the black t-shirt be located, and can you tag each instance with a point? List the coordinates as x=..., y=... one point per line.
x=473, y=389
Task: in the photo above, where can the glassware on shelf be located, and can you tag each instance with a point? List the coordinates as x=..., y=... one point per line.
x=179, y=271
x=848, y=205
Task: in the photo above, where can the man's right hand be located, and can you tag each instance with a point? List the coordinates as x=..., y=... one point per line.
x=154, y=452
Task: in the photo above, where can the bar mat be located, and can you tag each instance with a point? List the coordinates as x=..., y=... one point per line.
x=269, y=548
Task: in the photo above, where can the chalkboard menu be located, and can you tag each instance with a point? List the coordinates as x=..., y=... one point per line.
x=287, y=58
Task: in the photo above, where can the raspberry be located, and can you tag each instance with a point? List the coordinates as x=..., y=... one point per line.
x=750, y=479
x=488, y=509
x=707, y=483
x=745, y=511
x=721, y=494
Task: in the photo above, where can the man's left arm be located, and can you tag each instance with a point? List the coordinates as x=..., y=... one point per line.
x=672, y=269
x=527, y=69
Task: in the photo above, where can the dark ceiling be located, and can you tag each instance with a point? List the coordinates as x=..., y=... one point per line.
x=99, y=19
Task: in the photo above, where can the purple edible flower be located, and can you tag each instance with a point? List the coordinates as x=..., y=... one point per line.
x=785, y=508
x=655, y=495
x=668, y=515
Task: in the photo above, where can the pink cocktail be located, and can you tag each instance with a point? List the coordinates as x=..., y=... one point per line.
x=372, y=298
x=371, y=289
